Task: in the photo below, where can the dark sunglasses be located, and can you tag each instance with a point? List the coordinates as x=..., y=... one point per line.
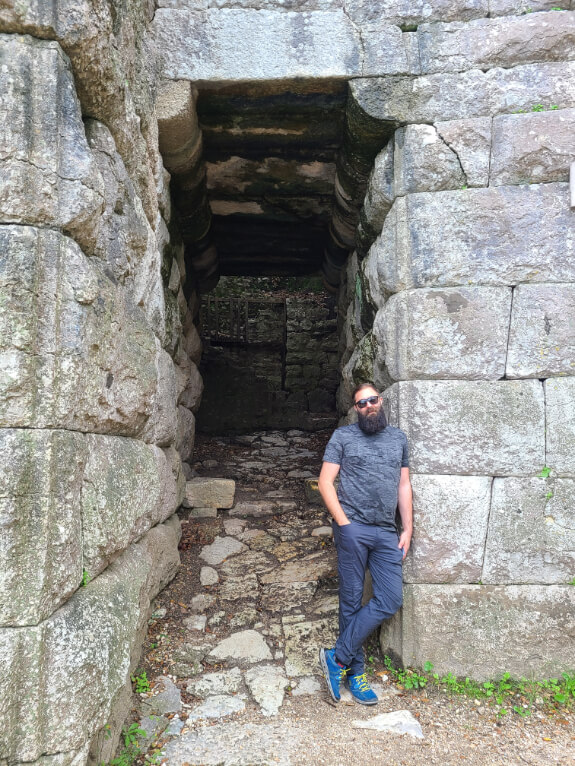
x=362, y=403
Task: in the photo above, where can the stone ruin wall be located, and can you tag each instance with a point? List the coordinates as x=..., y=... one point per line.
x=462, y=305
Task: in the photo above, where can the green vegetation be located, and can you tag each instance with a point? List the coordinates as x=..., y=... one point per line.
x=505, y=694
x=141, y=683
x=545, y=471
x=85, y=578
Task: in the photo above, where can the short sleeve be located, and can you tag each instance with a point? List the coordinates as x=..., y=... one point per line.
x=334, y=450
x=405, y=454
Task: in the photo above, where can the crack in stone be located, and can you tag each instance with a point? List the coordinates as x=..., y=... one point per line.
x=487, y=527
x=448, y=145
x=509, y=330
x=359, y=32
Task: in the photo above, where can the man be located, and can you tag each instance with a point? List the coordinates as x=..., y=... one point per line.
x=372, y=462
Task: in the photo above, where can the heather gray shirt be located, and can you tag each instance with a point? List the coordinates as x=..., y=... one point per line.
x=370, y=467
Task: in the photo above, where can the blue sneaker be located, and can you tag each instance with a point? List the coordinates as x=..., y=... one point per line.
x=333, y=671
x=362, y=691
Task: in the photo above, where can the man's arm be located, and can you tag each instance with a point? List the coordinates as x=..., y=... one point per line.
x=327, y=490
x=405, y=502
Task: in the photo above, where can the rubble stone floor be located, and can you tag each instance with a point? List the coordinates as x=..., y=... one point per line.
x=232, y=648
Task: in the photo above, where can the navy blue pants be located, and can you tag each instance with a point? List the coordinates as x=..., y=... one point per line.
x=360, y=547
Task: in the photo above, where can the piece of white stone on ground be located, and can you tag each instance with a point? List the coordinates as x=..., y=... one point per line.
x=220, y=549
x=202, y=601
x=218, y=706
x=225, y=682
x=322, y=532
x=306, y=686
x=267, y=685
x=397, y=722
x=205, y=492
x=234, y=526
x=196, y=622
x=208, y=576
x=168, y=698
x=247, y=645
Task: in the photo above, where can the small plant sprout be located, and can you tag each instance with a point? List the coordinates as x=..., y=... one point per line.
x=538, y=108
x=545, y=471
x=571, y=581
x=141, y=683
x=85, y=578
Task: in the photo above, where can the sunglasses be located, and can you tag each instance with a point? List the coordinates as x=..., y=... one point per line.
x=362, y=403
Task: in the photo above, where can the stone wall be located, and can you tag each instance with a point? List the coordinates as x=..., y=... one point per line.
x=97, y=346
x=460, y=304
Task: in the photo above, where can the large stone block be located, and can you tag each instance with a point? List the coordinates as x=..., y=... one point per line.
x=482, y=631
x=471, y=140
x=517, y=7
x=560, y=422
x=204, y=492
x=48, y=175
x=128, y=487
x=531, y=536
x=186, y=433
x=445, y=333
x=204, y=45
x=378, y=199
x=424, y=162
x=533, y=148
x=450, y=525
x=75, y=354
x=500, y=42
x=41, y=522
x=70, y=667
x=542, y=331
x=494, y=236
x=471, y=427
x=411, y=13
x=446, y=96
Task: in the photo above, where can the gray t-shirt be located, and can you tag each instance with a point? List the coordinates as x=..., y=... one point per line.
x=370, y=467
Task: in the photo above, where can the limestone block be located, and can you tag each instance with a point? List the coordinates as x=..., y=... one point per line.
x=531, y=536
x=75, y=354
x=179, y=132
x=444, y=239
x=560, y=421
x=499, y=42
x=162, y=425
x=204, y=45
x=445, y=333
x=471, y=140
x=379, y=197
x=471, y=427
x=70, y=667
x=387, y=51
x=48, y=175
x=481, y=631
x=204, y=492
x=360, y=367
x=542, y=331
x=128, y=487
x=411, y=13
x=186, y=432
x=424, y=162
x=191, y=341
x=453, y=96
x=41, y=521
x=450, y=526
x=191, y=397
x=517, y=7
x=533, y=148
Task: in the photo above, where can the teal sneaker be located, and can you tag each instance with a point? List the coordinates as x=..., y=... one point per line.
x=362, y=691
x=333, y=671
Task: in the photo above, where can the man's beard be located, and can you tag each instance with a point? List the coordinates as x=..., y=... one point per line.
x=372, y=424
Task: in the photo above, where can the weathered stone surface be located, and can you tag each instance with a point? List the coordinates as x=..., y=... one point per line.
x=517, y=7
x=387, y=51
x=423, y=162
x=267, y=685
x=396, y=722
x=254, y=562
x=57, y=671
x=128, y=487
x=282, y=597
x=542, y=331
x=40, y=517
x=442, y=239
x=185, y=435
x=167, y=698
x=220, y=549
x=224, y=682
x=436, y=97
x=206, y=492
x=531, y=536
x=49, y=177
x=411, y=13
x=487, y=621
x=450, y=526
x=302, y=569
x=216, y=706
x=75, y=354
x=378, y=200
x=445, y=333
x=204, y=45
x=191, y=396
x=303, y=640
x=500, y=42
x=533, y=148
x=471, y=141
x=247, y=646
x=471, y=427
x=237, y=588
x=257, y=508
x=560, y=425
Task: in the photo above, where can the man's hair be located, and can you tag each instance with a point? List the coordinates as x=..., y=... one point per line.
x=361, y=386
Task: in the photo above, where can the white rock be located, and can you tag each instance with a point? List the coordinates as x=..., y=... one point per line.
x=226, y=682
x=220, y=549
x=196, y=622
x=306, y=686
x=398, y=722
x=208, y=576
x=218, y=706
x=267, y=685
x=247, y=645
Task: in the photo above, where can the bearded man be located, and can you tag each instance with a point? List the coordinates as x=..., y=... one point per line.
x=371, y=459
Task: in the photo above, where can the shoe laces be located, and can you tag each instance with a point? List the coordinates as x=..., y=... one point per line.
x=342, y=672
x=361, y=682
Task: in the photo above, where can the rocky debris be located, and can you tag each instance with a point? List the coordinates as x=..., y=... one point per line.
x=398, y=722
